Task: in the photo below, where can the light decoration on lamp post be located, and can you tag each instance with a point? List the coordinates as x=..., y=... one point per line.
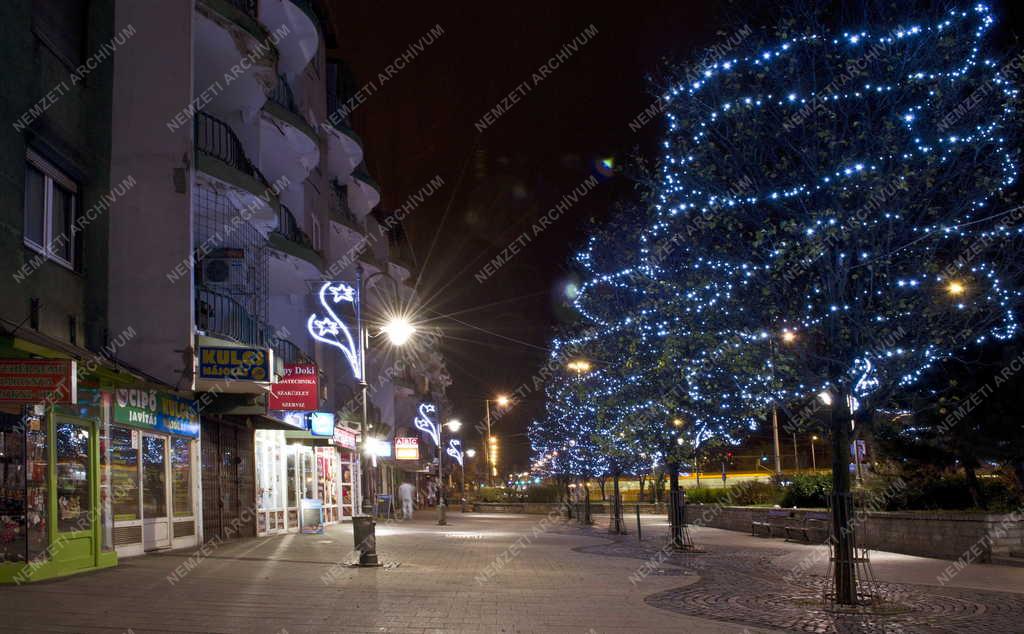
x=455, y=449
x=331, y=329
x=423, y=422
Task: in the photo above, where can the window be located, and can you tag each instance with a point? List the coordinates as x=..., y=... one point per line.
x=181, y=477
x=61, y=24
x=50, y=203
x=124, y=471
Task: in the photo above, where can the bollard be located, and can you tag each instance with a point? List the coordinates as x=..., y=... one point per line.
x=365, y=537
x=442, y=513
x=639, y=537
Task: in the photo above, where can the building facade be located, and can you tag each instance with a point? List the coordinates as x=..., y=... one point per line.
x=176, y=204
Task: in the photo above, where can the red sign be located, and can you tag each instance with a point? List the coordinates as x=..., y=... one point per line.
x=298, y=391
x=407, y=448
x=344, y=437
x=31, y=381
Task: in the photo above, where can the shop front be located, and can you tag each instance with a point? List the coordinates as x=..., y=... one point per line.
x=154, y=455
x=54, y=494
x=296, y=465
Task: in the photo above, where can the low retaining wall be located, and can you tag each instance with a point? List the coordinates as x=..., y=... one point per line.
x=596, y=508
x=942, y=534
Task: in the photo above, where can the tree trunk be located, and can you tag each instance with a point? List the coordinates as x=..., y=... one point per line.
x=674, y=505
x=1018, y=470
x=970, y=465
x=643, y=479
x=616, y=524
x=842, y=503
x=659, y=487
x=601, y=482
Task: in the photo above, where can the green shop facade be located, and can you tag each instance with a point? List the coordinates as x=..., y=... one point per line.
x=94, y=464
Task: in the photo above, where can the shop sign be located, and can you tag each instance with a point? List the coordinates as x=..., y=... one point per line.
x=29, y=381
x=344, y=437
x=321, y=424
x=220, y=363
x=298, y=391
x=407, y=448
x=156, y=411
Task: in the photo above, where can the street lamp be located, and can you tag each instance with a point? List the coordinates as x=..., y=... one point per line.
x=814, y=462
x=502, y=401
x=956, y=288
x=788, y=336
x=453, y=425
x=399, y=330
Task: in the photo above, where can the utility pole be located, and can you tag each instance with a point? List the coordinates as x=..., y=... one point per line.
x=796, y=455
x=775, y=441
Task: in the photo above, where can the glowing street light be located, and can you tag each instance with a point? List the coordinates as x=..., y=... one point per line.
x=678, y=422
x=470, y=453
x=502, y=400
x=399, y=330
x=955, y=288
x=579, y=366
x=454, y=425
x=788, y=336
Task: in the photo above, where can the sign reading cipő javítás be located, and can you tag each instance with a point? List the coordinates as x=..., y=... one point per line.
x=156, y=411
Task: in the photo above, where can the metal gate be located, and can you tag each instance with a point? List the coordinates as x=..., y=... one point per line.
x=229, y=479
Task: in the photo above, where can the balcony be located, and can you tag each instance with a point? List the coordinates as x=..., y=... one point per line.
x=219, y=315
x=292, y=240
x=289, y=146
x=226, y=31
x=345, y=148
x=220, y=154
x=340, y=211
x=297, y=19
x=364, y=193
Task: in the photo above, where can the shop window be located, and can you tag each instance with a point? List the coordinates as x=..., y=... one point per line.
x=74, y=494
x=154, y=477
x=124, y=474
x=13, y=542
x=50, y=203
x=181, y=477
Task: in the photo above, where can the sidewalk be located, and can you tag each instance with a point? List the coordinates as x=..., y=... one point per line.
x=482, y=573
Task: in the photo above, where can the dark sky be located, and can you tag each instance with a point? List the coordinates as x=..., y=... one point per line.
x=419, y=124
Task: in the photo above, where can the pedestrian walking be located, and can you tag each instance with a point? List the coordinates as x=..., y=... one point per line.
x=405, y=493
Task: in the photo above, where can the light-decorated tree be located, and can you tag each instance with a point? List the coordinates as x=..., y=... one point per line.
x=852, y=173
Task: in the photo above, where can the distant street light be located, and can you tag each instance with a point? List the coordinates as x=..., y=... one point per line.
x=492, y=448
x=814, y=463
x=956, y=288
x=579, y=366
x=454, y=425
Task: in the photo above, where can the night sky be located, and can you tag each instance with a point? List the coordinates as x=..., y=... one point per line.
x=419, y=124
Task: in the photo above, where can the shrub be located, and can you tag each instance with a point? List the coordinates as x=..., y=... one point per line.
x=807, y=491
x=929, y=489
x=494, y=494
x=749, y=493
x=543, y=493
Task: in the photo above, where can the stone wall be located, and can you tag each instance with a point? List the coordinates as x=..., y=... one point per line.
x=946, y=535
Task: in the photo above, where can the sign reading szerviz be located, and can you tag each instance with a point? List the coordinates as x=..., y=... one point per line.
x=234, y=364
x=29, y=381
x=297, y=391
x=407, y=448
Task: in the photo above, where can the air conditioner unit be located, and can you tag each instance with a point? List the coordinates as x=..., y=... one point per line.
x=225, y=269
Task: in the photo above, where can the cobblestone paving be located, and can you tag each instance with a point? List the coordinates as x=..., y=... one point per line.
x=745, y=587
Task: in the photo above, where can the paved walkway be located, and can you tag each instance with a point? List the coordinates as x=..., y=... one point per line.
x=482, y=573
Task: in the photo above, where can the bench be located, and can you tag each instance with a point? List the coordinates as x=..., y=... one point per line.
x=499, y=507
x=774, y=524
x=814, y=527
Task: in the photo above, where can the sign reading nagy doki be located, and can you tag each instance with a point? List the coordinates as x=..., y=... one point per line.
x=234, y=364
x=29, y=381
x=407, y=448
x=298, y=391
x=156, y=411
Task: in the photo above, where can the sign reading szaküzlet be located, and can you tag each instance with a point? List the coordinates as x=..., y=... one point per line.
x=156, y=411
x=297, y=391
x=30, y=381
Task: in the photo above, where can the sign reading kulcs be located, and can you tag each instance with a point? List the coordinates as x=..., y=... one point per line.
x=234, y=364
x=298, y=391
x=156, y=411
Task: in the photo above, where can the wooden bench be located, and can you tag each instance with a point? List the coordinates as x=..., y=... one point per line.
x=774, y=524
x=814, y=527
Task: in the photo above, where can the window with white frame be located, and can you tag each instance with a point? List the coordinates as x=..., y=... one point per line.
x=50, y=203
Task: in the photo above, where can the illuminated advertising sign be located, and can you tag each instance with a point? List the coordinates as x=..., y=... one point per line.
x=220, y=363
x=298, y=391
x=30, y=381
x=321, y=424
x=407, y=448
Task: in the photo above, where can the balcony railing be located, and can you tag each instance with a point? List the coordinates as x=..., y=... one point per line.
x=339, y=205
x=289, y=228
x=222, y=316
x=282, y=95
x=216, y=138
x=248, y=7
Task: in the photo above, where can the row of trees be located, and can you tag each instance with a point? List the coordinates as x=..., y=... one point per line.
x=827, y=216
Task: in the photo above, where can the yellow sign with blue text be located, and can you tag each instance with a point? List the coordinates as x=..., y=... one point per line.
x=220, y=363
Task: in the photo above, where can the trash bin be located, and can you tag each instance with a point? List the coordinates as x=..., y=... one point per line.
x=365, y=537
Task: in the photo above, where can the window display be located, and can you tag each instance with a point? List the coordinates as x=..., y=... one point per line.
x=154, y=476
x=74, y=494
x=13, y=544
x=181, y=482
x=124, y=467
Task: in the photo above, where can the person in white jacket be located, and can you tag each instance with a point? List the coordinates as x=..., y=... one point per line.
x=405, y=493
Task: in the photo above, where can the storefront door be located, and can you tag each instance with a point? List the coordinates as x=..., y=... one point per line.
x=74, y=456
x=156, y=521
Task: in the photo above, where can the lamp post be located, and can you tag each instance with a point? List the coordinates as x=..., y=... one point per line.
x=814, y=462
x=442, y=515
x=470, y=453
x=788, y=336
x=491, y=443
